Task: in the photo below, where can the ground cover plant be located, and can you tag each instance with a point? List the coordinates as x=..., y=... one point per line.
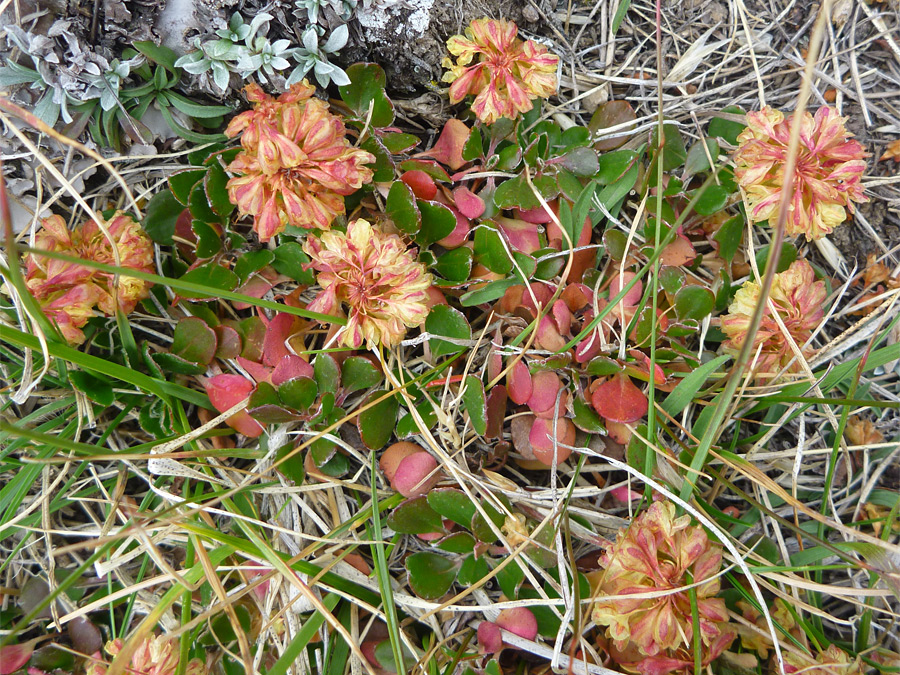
x=563, y=366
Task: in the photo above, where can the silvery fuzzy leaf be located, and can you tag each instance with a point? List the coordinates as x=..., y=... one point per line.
x=190, y=59
x=339, y=76
x=311, y=40
x=337, y=40
x=280, y=46
x=13, y=74
x=108, y=99
x=257, y=22
x=279, y=63
x=221, y=76
x=298, y=73
x=47, y=110
x=249, y=63
x=224, y=50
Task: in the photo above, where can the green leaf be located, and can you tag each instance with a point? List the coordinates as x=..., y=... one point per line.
x=580, y=161
x=265, y=405
x=727, y=129
x=788, y=256
x=636, y=454
x=299, y=393
x=674, y=153
x=474, y=569
x=197, y=110
x=515, y=192
x=474, y=404
x=289, y=260
x=357, y=373
x=681, y=396
x=327, y=373
x=487, y=293
x=366, y=89
x=208, y=240
x=158, y=54
x=200, y=207
x=437, y=222
x=694, y=302
x=430, y=575
x=712, y=200
x=612, y=195
x=730, y=236
x=252, y=261
x=99, y=390
x=377, y=423
x=452, y=504
x=400, y=207
x=490, y=249
x=159, y=220
x=397, y=143
x=671, y=279
x=449, y=322
x=216, y=193
x=697, y=159
x=458, y=542
x=183, y=182
x=408, y=427
x=415, y=516
x=212, y=276
x=474, y=148
x=172, y=363
x=194, y=341
x=613, y=165
x=586, y=418
x=455, y=265
x=292, y=468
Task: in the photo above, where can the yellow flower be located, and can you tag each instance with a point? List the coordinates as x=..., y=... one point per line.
x=798, y=299
x=509, y=73
x=826, y=178
x=68, y=291
x=660, y=553
x=832, y=661
x=299, y=170
x=373, y=274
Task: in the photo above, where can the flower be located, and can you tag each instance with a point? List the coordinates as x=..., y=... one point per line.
x=296, y=165
x=660, y=554
x=508, y=74
x=832, y=661
x=156, y=655
x=68, y=291
x=798, y=299
x=826, y=178
x=373, y=273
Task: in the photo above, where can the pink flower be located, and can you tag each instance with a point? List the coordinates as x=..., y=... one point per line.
x=826, y=178
x=299, y=170
x=67, y=291
x=660, y=553
x=376, y=277
x=798, y=299
x=509, y=73
x=156, y=655
x=832, y=661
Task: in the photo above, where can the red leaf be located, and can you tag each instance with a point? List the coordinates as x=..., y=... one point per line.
x=459, y=234
x=541, y=439
x=420, y=183
x=519, y=620
x=468, y=203
x=545, y=385
x=522, y=235
x=450, y=144
x=518, y=383
x=277, y=332
x=226, y=391
x=619, y=400
x=13, y=657
x=416, y=475
x=290, y=368
x=489, y=637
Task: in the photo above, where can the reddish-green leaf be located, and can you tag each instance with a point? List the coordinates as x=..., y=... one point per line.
x=415, y=516
x=194, y=340
x=401, y=207
x=618, y=400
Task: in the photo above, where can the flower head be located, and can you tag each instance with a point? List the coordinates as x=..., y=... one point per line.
x=296, y=166
x=376, y=277
x=156, y=655
x=508, y=74
x=832, y=661
x=68, y=291
x=826, y=178
x=798, y=299
x=660, y=554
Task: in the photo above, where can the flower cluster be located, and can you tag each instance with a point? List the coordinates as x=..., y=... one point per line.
x=296, y=165
x=67, y=291
x=373, y=273
x=832, y=661
x=658, y=556
x=156, y=655
x=509, y=73
x=798, y=299
x=826, y=178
